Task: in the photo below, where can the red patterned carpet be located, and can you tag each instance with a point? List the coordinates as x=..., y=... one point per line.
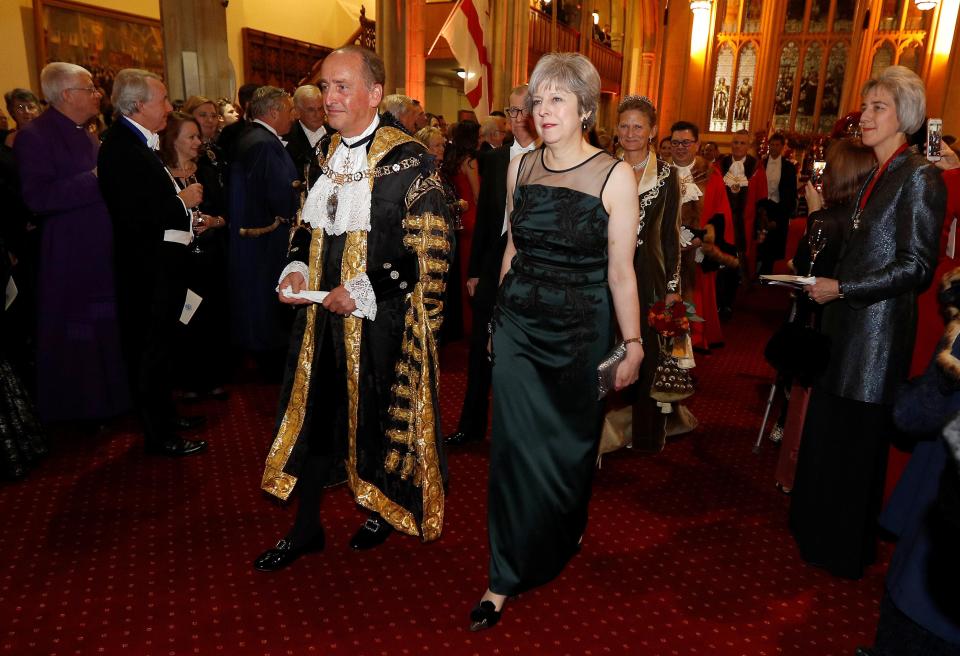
x=106, y=551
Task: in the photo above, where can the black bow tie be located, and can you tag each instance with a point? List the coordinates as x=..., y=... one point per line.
x=361, y=142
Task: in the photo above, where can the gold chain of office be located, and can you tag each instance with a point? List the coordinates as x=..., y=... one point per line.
x=377, y=172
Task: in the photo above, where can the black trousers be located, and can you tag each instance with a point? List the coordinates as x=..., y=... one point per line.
x=473, y=414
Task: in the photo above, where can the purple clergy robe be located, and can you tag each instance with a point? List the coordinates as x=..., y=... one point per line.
x=80, y=373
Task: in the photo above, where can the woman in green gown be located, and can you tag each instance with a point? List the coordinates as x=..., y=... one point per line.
x=567, y=273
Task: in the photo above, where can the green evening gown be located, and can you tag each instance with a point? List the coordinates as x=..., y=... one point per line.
x=552, y=326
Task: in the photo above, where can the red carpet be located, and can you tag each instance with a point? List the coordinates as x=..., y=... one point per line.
x=106, y=551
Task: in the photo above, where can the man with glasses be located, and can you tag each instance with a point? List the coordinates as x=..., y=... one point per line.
x=706, y=221
x=305, y=138
x=80, y=373
x=483, y=270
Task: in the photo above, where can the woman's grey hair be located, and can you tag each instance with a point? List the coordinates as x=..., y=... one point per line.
x=570, y=72
x=909, y=95
x=264, y=100
x=57, y=77
x=424, y=135
x=130, y=88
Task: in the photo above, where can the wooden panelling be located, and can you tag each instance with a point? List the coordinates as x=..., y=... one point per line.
x=609, y=64
x=277, y=60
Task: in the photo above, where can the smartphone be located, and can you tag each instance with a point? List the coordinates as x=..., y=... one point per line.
x=816, y=177
x=934, y=134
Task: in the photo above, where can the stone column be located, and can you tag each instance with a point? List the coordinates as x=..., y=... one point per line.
x=416, y=60
x=391, y=43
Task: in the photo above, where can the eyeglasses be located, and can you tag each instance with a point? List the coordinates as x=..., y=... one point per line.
x=87, y=89
x=686, y=143
x=29, y=107
x=514, y=112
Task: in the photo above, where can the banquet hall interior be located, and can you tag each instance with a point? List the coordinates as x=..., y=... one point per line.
x=688, y=549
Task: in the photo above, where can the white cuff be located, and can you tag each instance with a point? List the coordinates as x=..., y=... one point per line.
x=361, y=291
x=294, y=267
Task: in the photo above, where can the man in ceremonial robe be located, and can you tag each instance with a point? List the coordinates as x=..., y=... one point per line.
x=359, y=401
x=705, y=213
x=80, y=372
x=262, y=199
x=737, y=168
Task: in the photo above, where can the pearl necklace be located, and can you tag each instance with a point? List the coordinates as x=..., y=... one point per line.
x=640, y=166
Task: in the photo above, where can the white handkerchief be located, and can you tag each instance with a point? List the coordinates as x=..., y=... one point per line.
x=11, y=293
x=190, y=306
x=313, y=296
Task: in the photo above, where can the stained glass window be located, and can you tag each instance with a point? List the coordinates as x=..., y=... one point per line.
x=720, y=108
x=731, y=16
x=809, y=87
x=751, y=21
x=882, y=58
x=743, y=98
x=843, y=18
x=890, y=15
x=819, y=12
x=783, y=97
x=795, y=15
x=833, y=86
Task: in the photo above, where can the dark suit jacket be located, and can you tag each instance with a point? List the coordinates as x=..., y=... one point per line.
x=228, y=137
x=302, y=153
x=486, y=252
x=787, y=188
x=143, y=203
x=884, y=265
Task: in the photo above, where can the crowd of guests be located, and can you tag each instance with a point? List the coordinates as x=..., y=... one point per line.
x=337, y=236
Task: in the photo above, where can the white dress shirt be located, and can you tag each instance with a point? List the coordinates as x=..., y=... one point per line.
x=313, y=136
x=515, y=149
x=774, y=166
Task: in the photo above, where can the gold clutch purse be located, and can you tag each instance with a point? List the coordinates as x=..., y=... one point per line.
x=607, y=369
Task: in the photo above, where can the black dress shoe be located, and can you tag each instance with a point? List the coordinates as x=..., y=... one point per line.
x=176, y=447
x=460, y=437
x=188, y=423
x=484, y=616
x=285, y=553
x=373, y=533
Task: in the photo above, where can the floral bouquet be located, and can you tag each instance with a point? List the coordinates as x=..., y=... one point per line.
x=672, y=320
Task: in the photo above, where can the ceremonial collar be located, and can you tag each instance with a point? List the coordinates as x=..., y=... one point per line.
x=364, y=137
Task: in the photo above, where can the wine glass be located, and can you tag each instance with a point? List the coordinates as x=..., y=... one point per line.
x=196, y=218
x=816, y=240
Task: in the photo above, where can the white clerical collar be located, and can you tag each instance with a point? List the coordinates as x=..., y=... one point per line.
x=349, y=141
x=153, y=139
x=313, y=136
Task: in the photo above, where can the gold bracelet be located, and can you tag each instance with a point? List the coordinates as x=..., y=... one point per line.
x=638, y=340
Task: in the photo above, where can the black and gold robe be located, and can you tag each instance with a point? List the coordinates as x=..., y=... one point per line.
x=387, y=432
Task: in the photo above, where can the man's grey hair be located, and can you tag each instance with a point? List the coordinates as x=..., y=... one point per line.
x=306, y=92
x=489, y=126
x=909, y=95
x=570, y=72
x=265, y=99
x=130, y=88
x=397, y=104
x=57, y=77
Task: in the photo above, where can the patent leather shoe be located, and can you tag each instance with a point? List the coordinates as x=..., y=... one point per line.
x=285, y=553
x=484, y=616
x=189, y=423
x=176, y=447
x=373, y=533
x=460, y=438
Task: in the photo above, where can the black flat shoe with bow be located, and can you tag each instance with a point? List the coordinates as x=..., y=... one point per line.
x=484, y=616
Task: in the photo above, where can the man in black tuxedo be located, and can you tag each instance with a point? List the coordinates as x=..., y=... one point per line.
x=483, y=270
x=306, y=136
x=152, y=231
x=779, y=206
x=262, y=200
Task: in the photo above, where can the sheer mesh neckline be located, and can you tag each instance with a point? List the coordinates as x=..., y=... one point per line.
x=543, y=162
x=589, y=177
